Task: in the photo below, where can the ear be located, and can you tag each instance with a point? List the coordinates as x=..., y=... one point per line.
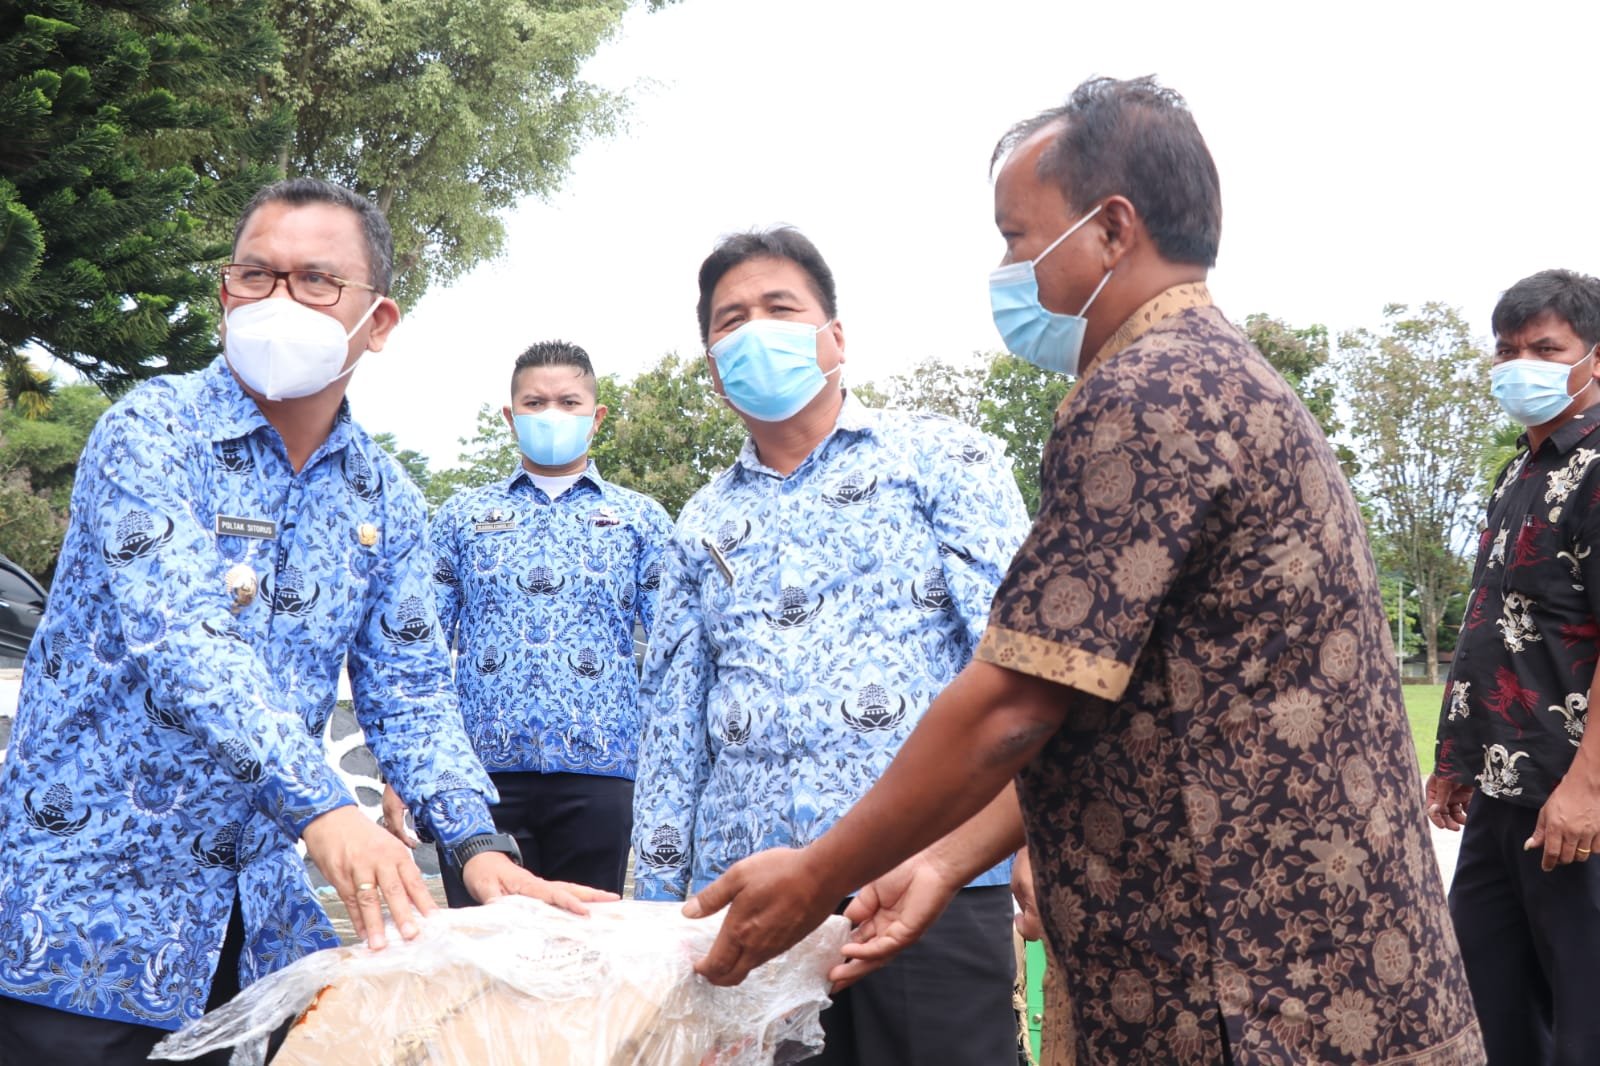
x=384, y=319
x=599, y=417
x=716, y=379
x=510, y=420
x=1121, y=230
x=836, y=330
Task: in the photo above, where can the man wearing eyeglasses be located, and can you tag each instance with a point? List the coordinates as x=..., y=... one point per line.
x=235, y=540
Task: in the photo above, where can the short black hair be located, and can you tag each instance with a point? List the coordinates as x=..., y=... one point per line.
x=1566, y=294
x=301, y=191
x=780, y=242
x=553, y=353
x=1136, y=139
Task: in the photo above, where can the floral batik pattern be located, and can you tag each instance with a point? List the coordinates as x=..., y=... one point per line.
x=806, y=623
x=540, y=598
x=1226, y=831
x=167, y=750
x=1517, y=699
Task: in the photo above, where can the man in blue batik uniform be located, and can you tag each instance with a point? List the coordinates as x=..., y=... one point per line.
x=235, y=539
x=541, y=579
x=817, y=595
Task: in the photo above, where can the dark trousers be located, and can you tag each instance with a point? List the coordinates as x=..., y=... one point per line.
x=36, y=1035
x=570, y=827
x=944, y=1001
x=1530, y=941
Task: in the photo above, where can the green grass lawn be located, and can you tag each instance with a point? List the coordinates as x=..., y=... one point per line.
x=1422, y=710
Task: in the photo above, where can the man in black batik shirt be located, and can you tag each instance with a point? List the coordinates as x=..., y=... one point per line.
x=1525, y=901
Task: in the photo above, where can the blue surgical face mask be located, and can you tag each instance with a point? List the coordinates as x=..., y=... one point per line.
x=553, y=438
x=768, y=367
x=1533, y=391
x=1047, y=340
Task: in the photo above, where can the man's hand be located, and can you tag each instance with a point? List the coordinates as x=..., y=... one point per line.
x=490, y=875
x=1569, y=821
x=368, y=868
x=1029, y=925
x=394, y=818
x=891, y=914
x=1447, y=803
x=777, y=898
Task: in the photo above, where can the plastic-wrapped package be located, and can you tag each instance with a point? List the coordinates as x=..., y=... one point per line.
x=522, y=982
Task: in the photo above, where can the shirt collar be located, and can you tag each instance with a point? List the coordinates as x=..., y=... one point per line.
x=591, y=474
x=1570, y=435
x=854, y=417
x=234, y=413
x=1190, y=294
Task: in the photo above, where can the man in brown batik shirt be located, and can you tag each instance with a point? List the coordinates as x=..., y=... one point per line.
x=1187, y=669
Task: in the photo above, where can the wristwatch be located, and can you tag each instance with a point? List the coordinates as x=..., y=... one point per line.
x=504, y=843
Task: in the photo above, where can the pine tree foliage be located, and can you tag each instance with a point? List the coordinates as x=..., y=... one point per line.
x=105, y=110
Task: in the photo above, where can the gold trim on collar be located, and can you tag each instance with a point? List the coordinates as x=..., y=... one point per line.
x=1165, y=304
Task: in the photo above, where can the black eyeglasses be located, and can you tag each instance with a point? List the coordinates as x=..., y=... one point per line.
x=246, y=281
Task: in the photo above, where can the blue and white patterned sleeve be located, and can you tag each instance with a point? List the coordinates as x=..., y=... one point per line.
x=655, y=534
x=168, y=590
x=978, y=517
x=443, y=547
x=674, y=760
x=404, y=697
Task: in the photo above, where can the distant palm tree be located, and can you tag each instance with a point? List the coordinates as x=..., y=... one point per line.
x=1498, y=449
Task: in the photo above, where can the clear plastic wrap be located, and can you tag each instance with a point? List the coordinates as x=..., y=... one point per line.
x=522, y=982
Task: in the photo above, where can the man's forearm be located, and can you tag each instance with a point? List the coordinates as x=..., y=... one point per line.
x=982, y=840
x=979, y=732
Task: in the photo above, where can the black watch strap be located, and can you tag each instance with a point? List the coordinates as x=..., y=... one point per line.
x=504, y=843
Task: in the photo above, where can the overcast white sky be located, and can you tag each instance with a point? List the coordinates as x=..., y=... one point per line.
x=1369, y=153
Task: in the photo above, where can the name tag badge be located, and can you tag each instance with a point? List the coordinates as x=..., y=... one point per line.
x=496, y=521
x=604, y=516
x=256, y=528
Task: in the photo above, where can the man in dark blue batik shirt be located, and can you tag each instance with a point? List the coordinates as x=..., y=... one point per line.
x=235, y=539
x=541, y=579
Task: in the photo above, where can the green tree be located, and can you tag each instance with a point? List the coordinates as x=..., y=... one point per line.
x=665, y=435
x=99, y=230
x=1497, y=449
x=1301, y=356
x=490, y=453
x=413, y=462
x=444, y=112
x=38, y=460
x=1019, y=406
x=996, y=392
x=940, y=386
x=668, y=432
x=1417, y=397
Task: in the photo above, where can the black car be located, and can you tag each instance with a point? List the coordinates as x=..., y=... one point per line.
x=21, y=607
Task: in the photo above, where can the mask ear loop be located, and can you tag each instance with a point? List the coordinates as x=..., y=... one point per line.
x=1095, y=293
x=351, y=369
x=366, y=315
x=1580, y=362
x=1070, y=231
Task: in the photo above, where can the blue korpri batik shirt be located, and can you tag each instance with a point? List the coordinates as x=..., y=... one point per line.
x=807, y=622
x=540, y=597
x=167, y=751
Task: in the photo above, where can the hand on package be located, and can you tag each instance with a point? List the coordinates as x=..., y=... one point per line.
x=369, y=869
x=890, y=915
x=775, y=899
x=397, y=819
x=491, y=875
